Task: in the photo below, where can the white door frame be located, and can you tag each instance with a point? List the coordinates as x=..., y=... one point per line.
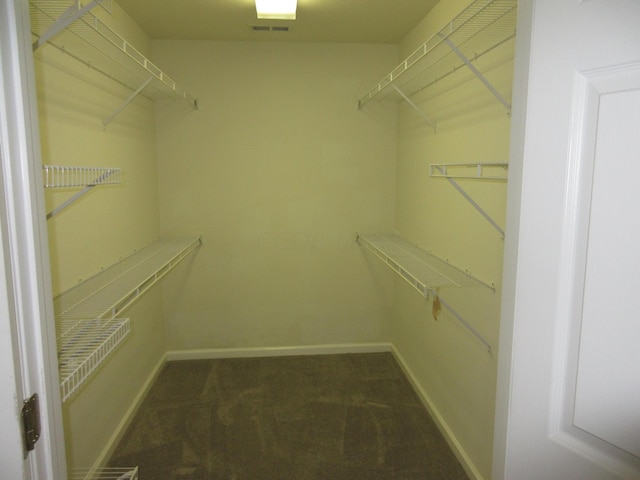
x=509, y=274
x=26, y=306
x=561, y=46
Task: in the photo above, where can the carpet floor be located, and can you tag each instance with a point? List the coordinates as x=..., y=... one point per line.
x=326, y=417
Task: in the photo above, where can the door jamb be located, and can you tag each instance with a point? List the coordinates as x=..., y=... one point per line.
x=25, y=243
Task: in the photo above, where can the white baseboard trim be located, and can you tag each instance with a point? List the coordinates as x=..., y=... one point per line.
x=118, y=433
x=449, y=436
x=329, y=349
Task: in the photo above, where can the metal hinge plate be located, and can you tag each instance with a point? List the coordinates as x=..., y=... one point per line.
x=31, y=421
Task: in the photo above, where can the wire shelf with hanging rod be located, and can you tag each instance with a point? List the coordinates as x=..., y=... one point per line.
x=76, y=31
x=423, y=271
x=480, y=28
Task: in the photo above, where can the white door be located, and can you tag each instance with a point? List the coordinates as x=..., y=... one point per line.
x=569, y=376
x=28, y=362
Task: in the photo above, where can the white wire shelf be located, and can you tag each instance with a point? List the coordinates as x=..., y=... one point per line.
x=477, y=30
x=59, y=176
x=83, y=345
x=88, y=331
x=470, y=171
x=56, y=176
x=110, y=292
x=423, y=271
x=126, y=473
x=92, y=42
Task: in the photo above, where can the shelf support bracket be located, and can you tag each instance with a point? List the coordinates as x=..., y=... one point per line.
x=461, y=319
x=79, y=194
x=72, y=13
x=431, y=123
x=475, y=204
x=476, y=72
x=124, y=105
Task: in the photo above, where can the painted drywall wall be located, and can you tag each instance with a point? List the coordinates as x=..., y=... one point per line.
x=454, y=370
x=103, y=226
x=277, y=170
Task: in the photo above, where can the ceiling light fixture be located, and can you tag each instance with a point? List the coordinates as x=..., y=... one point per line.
x=276, y=9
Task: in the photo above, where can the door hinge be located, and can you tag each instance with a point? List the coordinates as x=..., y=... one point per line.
x=31, y=421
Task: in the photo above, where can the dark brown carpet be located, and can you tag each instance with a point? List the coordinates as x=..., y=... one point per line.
x=333, y=417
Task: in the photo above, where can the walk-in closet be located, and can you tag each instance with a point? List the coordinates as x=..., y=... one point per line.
x=278, y=245
x=219, y=198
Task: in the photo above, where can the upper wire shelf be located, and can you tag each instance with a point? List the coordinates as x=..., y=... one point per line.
x=92, y=42
x=478, y=29
x=111, y=291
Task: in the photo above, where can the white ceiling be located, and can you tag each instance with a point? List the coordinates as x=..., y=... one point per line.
x=363, y=21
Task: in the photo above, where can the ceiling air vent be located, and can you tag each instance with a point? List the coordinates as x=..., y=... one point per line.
x=269, y=28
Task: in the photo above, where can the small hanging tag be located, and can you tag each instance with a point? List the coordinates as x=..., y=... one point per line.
x=436, y=307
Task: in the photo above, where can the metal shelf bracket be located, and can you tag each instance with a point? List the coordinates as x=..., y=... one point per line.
x=476, y=72
x=129, y=99
x=461, y=319
x=431, y=123
x=470, y=199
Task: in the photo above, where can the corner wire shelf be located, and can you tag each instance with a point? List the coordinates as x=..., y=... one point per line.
x=76, y=31
x=478, y=172
x=125, y=473
x=422, y=270
x=480, y=28
x=56, y=176
x=88, y=330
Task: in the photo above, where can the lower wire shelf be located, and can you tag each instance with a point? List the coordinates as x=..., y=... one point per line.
x=83, y=345
x=87, y=328
x=423, y=271
x=126, y=473
x=111, y=291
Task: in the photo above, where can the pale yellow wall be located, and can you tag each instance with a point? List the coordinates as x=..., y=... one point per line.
x=108, y=223
x=277, y=170
x=451, y=366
